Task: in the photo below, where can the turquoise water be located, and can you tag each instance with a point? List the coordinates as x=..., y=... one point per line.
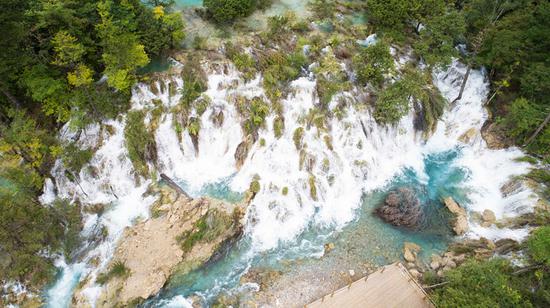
x=156, y=65
x=188, y=3
x=219, y=190
x=367, y=239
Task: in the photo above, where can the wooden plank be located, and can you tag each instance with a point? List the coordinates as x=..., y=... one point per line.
x=391, y=286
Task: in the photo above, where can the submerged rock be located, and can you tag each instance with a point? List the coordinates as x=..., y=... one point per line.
x=460, y=221
x=187, y=234
x=402, y=209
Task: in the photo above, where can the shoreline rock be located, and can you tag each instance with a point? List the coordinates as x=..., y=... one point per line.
x=460, y=221
x=185, y=234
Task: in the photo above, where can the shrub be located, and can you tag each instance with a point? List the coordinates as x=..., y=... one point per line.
x=479, y=284
x=118, y=269
x=285, y=191
x=75, y=158
x=372, y=63
x=393, y=103
x=228, y=11
x=539, y=245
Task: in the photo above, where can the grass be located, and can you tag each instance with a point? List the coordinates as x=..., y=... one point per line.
x=118, y=270
x=206, y=229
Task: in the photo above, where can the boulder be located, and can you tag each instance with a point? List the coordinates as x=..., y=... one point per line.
x=401, y=208
x=460, y=221
x=468, y=136
x=488, y=218
x=154, y=250
x=410, y=251
x=242, y=151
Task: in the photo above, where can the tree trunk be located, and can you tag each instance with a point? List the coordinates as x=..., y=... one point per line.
x=462, y=87
x=539, y=129
x=173, y=185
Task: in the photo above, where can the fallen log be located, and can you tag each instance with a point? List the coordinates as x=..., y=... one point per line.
x=173, y=185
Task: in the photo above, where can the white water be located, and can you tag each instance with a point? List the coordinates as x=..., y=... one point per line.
x=356, y=165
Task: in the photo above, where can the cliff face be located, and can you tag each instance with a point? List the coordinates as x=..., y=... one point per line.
x=185, y=234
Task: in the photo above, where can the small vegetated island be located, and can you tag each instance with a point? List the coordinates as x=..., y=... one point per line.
x=258, y=152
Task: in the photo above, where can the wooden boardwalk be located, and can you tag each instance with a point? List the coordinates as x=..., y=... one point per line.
x=391, y=286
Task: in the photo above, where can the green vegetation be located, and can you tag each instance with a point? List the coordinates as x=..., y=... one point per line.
x=254, y=111
x=228, y=11
x=312, y=187
x=498, y=283
x=139, y=142
x=255, y=185
x=117, y=270
x=278, y=126
x=54, y=55
x=210, y=226
x=372, y=63
x=297, y=137
x=284, y=191
x=480, y=284
x=279, y=69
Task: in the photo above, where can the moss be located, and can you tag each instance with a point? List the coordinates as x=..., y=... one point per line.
x=139, y=142
x=262, y=142
x=328, y=142
x=208, y=228
x=312, y=187
x=278, y=126
x=118, y=270
x=194, y=126
x=285, y=191
x=255, y=185
x=326, y=165
x=298, y=137
x=202, y=104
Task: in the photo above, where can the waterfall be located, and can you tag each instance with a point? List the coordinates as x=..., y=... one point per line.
x=362, y=157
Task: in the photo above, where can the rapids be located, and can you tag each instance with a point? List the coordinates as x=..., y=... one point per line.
x=360, y=166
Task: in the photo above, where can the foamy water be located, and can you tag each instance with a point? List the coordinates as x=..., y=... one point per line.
x=356, y=164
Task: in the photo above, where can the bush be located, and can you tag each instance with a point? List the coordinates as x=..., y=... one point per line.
x=479, y=284
x=392, y=104
x=228, y=11
x=372, y=63
x=75, y=158
x=539, y=245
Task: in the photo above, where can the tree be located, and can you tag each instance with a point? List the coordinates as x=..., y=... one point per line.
x=438, y=39
x=372, y=63
x=123, y=53
x=480, y=284
x=228, y=11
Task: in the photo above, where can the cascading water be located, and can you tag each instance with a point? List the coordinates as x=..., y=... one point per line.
x=363, y=159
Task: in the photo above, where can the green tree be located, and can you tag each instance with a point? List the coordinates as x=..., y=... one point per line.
x=372, y=63
x=480, y=284
x=438, y=39
x=228, y=11
x=123, y=53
